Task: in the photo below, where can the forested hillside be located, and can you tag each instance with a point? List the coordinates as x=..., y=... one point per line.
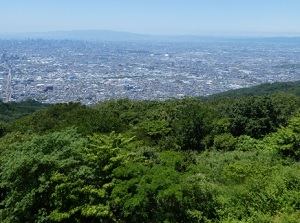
x=189, y=160
x=262, y=89
x=15, y=110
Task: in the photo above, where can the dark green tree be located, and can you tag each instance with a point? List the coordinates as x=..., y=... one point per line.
x=253, y=116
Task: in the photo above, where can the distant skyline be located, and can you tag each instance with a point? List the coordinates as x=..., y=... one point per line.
x=157, y=17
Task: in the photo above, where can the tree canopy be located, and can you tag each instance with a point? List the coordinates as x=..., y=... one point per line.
x=181, y=160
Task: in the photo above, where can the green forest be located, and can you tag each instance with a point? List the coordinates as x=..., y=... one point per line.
x=226, y=158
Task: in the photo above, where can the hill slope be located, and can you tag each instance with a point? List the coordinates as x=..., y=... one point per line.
x=261, y=90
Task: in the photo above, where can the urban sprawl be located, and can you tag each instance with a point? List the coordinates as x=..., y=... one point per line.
x=57, y=71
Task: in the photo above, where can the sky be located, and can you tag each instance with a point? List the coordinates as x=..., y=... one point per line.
x=163, y=17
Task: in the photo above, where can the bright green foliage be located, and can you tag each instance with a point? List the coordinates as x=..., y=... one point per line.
x=246, y=143
x=81, y=196
x=264, y=191
x=189, y=160
x=7, y=141
x=287, y=139
x=162, y=192
x=253, y=186
x=60, y=177
x=26, y=174
x=224, y=142
x=155, y=129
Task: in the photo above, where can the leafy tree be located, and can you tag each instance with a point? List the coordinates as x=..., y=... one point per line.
x=26, y=174
x=255, y=116
x=225, y=142
x=161, y=192
x=190, y=160
x=287, y=139
x=155, y=129
x=82, y=195
x=253, y=186
x=122, y=114
x=192, y=123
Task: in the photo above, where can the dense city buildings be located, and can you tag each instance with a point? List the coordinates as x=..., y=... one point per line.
x=54, y=71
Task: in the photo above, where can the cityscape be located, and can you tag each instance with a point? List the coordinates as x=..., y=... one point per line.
x=58, y=71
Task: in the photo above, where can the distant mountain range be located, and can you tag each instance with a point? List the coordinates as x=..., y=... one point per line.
x=100, y=35
x=77, y=35
x=108, y=35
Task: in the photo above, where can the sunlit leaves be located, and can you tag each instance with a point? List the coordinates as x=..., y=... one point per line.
x=163, y=192
x=26, y=173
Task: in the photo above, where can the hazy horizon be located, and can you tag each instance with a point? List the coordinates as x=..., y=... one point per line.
x=212, y=34
x=155, y=17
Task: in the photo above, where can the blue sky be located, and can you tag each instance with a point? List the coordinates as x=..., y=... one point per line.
x=197, y=17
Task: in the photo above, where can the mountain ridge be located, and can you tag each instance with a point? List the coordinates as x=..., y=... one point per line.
x=111, y=35
x=292, y=87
